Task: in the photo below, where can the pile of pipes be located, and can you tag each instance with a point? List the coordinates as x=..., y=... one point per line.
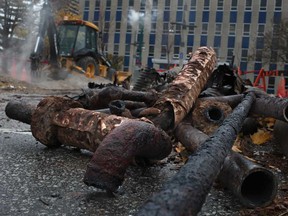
x=119, y=125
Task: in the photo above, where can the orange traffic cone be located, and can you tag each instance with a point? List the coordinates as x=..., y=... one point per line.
x=281, y=91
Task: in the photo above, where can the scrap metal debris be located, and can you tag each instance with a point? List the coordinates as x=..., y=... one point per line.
x=119, y=125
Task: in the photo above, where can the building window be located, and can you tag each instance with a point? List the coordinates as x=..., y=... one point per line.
x=231, y=42
x=151, y=51
x=190, y=40
x=118, y=26
x=234, y=5
x=108, y=4
x=218, y=28
x=129, y=27
x=116, y=49
x=127, y=49
x=278, y=4
x=259, y=56
x=205, y=16
x=261, y=28
x=176, y=49
x=155, y=3
x=131, y=3
x=128, y=39
x=246, y=29
x=152, y=39
x=180, y=5
x=263, y=5
x=217, y=41
x=220, y=5
x=177, y=40
x=116, y=38
x=192, y=16
x=244, y=55
x=167, y=4
x=262, y=17
x=97, y=5
x=107, y=15
x=193, y=4
x=219, y=16
x=203, y=40
x=206, y=4
x=153, y=27
x=166, y=16
x=96, y=15
x=245, y=42
x=87, y=5
x=243, y=65
x=259, y=43
x=233, y=17
x=230, y=53
x=142, y=5
x=247, y=17
x=118, y=15
x=204, y=28
x=86, y=15
x=179, y=16
x=119, y=5
x=277, y=17
x=248, y=5
x=126, y=61
x=232, y=29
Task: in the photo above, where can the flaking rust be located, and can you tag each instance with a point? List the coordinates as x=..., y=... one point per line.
x=176, y=102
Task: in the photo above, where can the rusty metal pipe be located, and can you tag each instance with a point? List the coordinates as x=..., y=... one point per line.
x=98, y=99
x=20, y=111
x=118, y=149
x=252, y=184
x=186, y=192
x=178, y=99
x=274, y=107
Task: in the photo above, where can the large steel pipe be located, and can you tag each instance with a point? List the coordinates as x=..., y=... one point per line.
x=252, y=184
x=264, y=105
x=176, y=102
x=132, y=139
x=186, y=192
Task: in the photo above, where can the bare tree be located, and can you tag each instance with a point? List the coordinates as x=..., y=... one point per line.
x=11, y=14
x=273, y=46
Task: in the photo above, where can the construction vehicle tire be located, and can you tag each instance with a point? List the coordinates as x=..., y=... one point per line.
x=89, y=65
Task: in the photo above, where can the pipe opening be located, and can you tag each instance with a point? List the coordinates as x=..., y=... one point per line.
x=214, y=114
x=117, y=107
x=259, y=188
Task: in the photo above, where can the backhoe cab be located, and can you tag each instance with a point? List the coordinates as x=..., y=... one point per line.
x=72, y=46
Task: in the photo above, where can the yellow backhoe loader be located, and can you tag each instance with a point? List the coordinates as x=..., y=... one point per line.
x=72, y=46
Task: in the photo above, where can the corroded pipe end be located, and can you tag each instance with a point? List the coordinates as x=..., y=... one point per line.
x=258, y=188
x=96, y=177
x=20, y=111
x=130, y=139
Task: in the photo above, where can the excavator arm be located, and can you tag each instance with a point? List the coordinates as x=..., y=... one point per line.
x=47, y=28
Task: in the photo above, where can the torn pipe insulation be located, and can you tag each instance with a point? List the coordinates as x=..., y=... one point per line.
x=254, y=185
x=99, y=99
x=176, y=102
x=20, y=111
x=186, y=192
x=207, y=116
x=274, y=107
x=132, y=139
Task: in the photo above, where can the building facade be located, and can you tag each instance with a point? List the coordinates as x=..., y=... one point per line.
x=157, y=33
